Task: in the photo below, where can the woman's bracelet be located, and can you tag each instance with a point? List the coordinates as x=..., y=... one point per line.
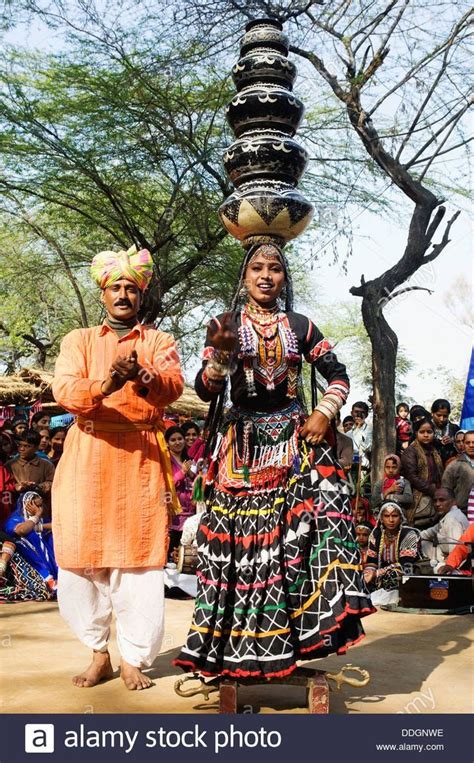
x=35, y=519
x=217, y=370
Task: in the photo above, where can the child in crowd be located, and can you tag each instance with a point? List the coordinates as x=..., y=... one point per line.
x=347, y=424
x=30, y=471
x=363, y=530
x=392, y=486
x=403, y=426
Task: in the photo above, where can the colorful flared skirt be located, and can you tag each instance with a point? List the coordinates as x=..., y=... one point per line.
x=279, y=574
x=22, y=582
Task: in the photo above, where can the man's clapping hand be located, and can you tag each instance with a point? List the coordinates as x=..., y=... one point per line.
x=122, y=370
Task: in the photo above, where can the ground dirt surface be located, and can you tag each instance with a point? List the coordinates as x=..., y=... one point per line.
x=418, y=664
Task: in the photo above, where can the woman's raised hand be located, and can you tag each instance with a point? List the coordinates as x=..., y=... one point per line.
x=225, y=338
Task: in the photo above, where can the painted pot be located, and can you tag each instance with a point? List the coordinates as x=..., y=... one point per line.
x=268, y=210
x=269, y=66
x=269, y=108
x=264, y=33
x=265, y=155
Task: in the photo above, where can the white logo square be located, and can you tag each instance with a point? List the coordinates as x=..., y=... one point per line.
x=39, y=737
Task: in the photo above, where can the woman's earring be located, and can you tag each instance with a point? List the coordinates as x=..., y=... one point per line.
x=243, y=291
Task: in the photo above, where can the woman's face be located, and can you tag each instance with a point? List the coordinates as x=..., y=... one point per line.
x=20, y=428
x=425, y=434
x=362, y=534
x=45, y=442
x=176, y=443
x=391, y=519
x=440, y=417
x=57, y=442
x=43, y=422
x=264, y=279
x=459, y=442
x=391, y=468
x=191, y=436
x=403, y=412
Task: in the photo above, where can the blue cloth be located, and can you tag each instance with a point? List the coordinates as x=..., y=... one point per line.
x=467, y=414
x=61, y=421
x=36, y=547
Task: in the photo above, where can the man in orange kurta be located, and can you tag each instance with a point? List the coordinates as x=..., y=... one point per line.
x=113, y=490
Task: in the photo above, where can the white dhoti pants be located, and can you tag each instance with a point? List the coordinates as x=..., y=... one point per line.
x=87, y=599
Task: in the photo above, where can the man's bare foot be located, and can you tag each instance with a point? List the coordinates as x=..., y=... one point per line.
x=99, y=670
x=133, y=678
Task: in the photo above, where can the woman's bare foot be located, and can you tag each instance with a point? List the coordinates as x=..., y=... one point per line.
x=133, y=678
x=99, y=670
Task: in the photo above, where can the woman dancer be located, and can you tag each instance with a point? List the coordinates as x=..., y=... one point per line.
x=279, y=568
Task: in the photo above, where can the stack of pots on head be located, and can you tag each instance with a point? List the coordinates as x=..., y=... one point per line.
x=265, y=163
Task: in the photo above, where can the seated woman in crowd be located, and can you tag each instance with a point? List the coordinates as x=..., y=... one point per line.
x=423, y=468
x=195, y=444
x=57, y=436
x=392, y=485
x=18, y=580
x=33, y=539
x=183, y=478
x=393, y=549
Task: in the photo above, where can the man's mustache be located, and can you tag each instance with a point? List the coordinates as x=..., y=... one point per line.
x=123, y=303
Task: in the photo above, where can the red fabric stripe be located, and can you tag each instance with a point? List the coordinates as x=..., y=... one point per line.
x=246, y=540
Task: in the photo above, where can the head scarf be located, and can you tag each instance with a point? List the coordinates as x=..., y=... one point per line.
x=269, y=251
x=389, y=481
x=24, y=500
x=108, y=267
x=391, y=505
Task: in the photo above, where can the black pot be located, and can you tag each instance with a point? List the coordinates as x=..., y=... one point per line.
x=265, y=109
x=264, y=66
x=264, y=33
x=276, y=156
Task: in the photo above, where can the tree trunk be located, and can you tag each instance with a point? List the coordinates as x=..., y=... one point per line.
x=384, y=357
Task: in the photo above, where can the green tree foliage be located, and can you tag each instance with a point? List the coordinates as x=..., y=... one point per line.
x=99, y=153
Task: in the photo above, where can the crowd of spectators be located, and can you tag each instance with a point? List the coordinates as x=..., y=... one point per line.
x=417, y=512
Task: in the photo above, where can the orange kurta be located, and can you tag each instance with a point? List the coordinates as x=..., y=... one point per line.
x=109, y=494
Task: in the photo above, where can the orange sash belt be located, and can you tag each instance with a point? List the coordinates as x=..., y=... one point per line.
x=90, y=426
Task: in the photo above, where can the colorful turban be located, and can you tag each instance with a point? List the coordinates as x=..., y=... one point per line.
x=108, y=267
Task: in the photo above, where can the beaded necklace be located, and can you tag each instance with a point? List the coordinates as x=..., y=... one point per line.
x=269, y=349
